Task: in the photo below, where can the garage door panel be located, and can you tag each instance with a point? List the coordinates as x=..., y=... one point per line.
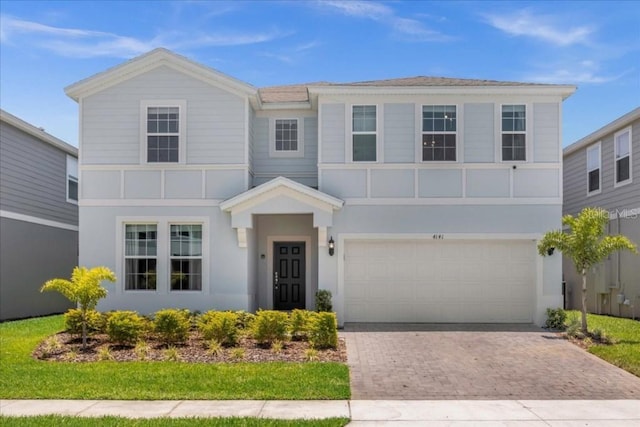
x=439, y=281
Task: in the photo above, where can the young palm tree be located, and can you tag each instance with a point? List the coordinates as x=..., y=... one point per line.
x=586, y=245
x=83, y=289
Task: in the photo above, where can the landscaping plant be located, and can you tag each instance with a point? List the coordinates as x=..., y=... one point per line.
x=555, y=318
x=586, y=244
x=323, y=330
x=323, y=300
x=269, y=326
x=172, y=326
x=220, y=326
x=299, y=323
x=84, y=289
x=125, y=327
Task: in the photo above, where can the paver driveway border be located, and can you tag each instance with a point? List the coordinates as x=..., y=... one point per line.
x=476, y=362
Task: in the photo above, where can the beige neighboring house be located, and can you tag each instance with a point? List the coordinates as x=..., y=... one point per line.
x=603, y=170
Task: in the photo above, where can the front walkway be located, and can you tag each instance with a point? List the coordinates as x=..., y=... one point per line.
x=620, y=413
x=434, y=362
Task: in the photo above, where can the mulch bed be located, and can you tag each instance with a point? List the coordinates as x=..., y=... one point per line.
x=194, y=350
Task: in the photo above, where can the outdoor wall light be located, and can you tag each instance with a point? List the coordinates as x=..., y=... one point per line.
x=550, y=251
x=332, y=246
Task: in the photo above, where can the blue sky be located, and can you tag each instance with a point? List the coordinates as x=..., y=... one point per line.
x=47, y=45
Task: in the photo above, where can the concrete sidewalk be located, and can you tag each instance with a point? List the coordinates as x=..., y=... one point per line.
x=530, y=413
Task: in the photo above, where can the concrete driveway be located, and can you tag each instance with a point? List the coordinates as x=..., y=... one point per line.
x=432, y=361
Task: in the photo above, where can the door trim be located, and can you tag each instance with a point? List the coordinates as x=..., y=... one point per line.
x=307, y=263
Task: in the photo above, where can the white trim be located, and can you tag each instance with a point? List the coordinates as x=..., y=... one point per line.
x=528, y=124
x=150, y=202
x=167, y=166
x=36, y=220
x=307, y=263
x=456, y=133
x=437, y=165
x=443, y=201
x=598, y=146
x=181, y=104
x=202, y=257
x=617, y=184
x=272, y=139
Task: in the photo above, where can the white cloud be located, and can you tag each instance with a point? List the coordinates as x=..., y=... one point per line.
x=586, y=71
x=543, y=27
x=410, y=29
x=76, y=42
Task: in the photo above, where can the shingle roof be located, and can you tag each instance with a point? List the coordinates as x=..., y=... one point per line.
x=300, y=92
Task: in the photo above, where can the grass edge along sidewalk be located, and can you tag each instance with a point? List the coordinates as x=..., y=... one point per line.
x=22, y=377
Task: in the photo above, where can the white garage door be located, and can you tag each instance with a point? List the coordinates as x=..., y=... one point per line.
x=439, y=281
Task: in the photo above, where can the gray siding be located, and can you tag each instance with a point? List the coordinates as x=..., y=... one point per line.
x=333, y=132
x=546, y=132
x=610, y=198
x=27, y=261
x=33, y=177
x=301, y=169
x=392, y=183
x=215, y=119
x=479, y=138
x=399, y=133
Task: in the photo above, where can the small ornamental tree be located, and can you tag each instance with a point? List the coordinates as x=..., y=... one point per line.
x=586, y=245
x=83, y=289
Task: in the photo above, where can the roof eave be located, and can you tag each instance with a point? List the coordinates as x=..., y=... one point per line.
x=553, y=90
x=603, y=131
x=292, y=105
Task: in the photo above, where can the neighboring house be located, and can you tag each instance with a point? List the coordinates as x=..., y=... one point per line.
x=411, y=200
x=38, y=217
x=603, y=170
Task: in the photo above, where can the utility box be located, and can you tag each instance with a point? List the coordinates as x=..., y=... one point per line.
x=598, y=276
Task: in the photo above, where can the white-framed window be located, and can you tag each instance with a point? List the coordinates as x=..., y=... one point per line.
x=186, y=257
x=439, y=124
x=72, y=179
x=514, y=127
x=141, y=257
x=163, y=131
x=286, y=137
x=594, y=175
x=622, y=148
x=364, y=131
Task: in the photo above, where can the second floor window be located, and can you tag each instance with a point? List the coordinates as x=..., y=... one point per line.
x=514, y=118
x=141, y=257
x=364, y=128
x=163, y=134
x=439, y=133
x=593, y=168
x=72, y=179
x=286, y=135
x=622, y=141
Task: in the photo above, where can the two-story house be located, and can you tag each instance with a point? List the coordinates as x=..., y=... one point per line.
x=38, y=217
x=411, y=200
x=603, y=169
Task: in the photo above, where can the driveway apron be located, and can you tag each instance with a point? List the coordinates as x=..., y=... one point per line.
x=475, y=361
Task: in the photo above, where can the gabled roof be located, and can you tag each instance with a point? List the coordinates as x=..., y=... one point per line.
x=281, y=183
x=153, y=59
x=603, y=131
x=38, y=133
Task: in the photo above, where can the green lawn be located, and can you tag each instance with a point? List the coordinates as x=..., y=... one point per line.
x=56, y=420
x=22, y=377
x=625, y=353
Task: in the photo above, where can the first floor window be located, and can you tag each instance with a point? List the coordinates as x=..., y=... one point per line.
x=593, y=168
x=622, y=141
x=439, y=124
x=140, y=257
x=72, y=179
x=186, y=257
x=514, y=133
x=364, y=128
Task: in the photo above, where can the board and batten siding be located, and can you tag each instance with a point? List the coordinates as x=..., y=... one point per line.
x=333, y=131
x=300, y=169
x=399, y=133
x=610, y=197
x=215, y=119
x=33, y=177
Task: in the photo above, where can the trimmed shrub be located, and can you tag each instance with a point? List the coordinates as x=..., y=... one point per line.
x=323, y=300
x=323, y=330
x=270, y=326
x=171, y=325
x=299, y=323
x=220, y=326
x=73, y=321
x=245, y=319
x=556, y=318
x=125, y=327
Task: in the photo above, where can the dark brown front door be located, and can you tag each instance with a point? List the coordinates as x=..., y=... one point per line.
x=288, y=275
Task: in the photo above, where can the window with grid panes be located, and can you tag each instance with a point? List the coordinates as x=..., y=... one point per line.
x=514, y=146
x=439, y=124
